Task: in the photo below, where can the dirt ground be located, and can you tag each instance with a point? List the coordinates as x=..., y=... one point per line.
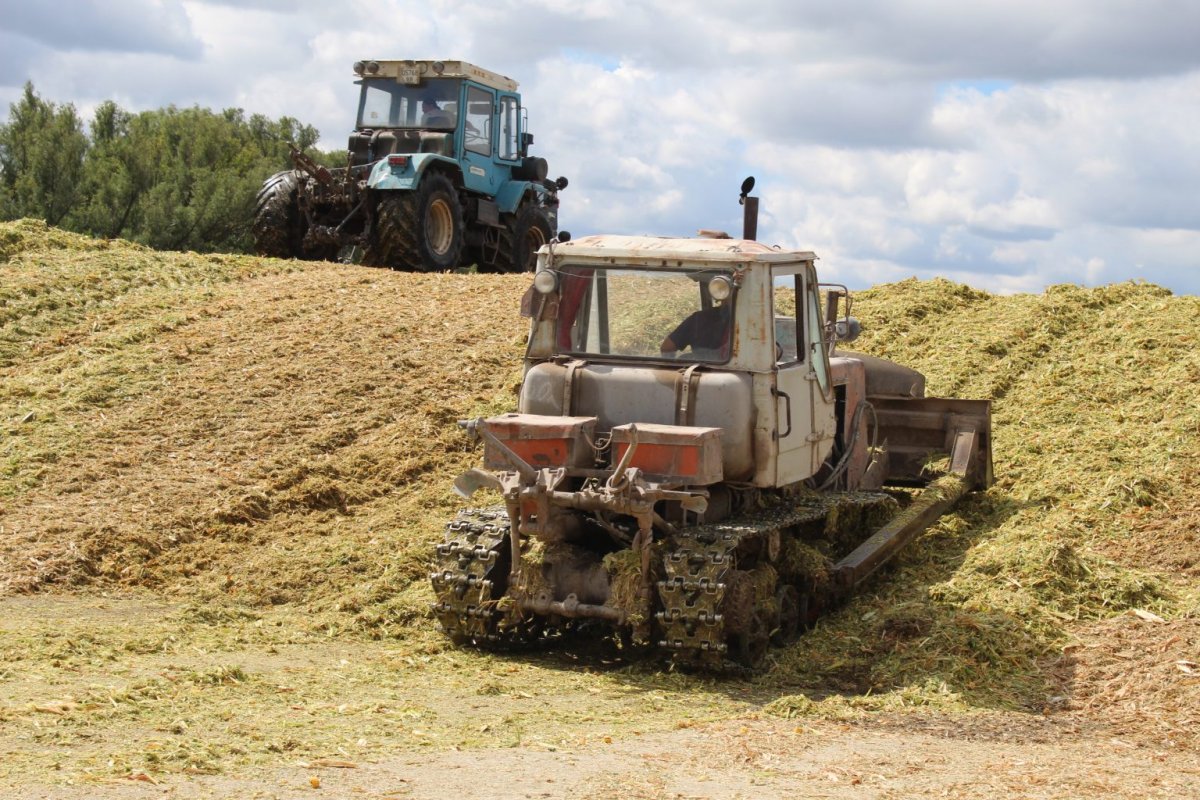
x=736, y=759
x=98, y=715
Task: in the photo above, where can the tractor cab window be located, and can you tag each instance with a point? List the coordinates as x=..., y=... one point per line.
x=479, y=121
x=433, y=105
x=510, y=127
x=799, y=325
x=789, y=318
x=644, y=313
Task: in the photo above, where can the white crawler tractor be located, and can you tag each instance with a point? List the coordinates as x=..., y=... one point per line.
x=694, y=462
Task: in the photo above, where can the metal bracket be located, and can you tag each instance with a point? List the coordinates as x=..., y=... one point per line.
x=568, y=399
x=685, y=387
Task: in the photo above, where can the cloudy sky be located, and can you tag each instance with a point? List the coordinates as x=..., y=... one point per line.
x=1008, y=144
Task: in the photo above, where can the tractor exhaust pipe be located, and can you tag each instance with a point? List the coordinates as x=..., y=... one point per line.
x=749, y=210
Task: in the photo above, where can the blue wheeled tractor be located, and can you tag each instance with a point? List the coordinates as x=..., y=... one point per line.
x=438, y=176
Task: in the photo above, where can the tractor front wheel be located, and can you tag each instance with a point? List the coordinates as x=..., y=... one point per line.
x=421, y=230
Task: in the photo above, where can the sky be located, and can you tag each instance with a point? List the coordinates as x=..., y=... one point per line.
x=1006, y=144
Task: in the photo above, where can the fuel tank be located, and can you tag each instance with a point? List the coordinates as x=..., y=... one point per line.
x=621, y=394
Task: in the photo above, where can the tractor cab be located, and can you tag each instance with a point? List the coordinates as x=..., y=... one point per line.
x=716, y=333
x=452, y=109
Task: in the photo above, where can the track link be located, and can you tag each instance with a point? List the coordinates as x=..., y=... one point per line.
x=471, y=573
x=701, y=568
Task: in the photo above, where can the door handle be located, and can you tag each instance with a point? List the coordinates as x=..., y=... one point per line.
x=787, y=415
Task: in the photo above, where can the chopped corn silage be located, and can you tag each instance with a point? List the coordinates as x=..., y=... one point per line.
x=235, y=429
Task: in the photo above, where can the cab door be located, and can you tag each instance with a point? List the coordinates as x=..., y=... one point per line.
x=479, y=140
x=804, y=398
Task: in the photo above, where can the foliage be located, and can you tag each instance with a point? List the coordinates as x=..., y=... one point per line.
x=42, y=152
x=173, y=179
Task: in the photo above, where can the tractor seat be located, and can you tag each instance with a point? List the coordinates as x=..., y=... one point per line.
x=440, y=120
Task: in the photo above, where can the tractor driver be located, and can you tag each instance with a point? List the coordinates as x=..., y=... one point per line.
x=432, y=115
x=705, y=331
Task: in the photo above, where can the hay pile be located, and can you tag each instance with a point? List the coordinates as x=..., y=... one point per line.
x=270, y=432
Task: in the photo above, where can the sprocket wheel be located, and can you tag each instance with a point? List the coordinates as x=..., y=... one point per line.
x=787, y=600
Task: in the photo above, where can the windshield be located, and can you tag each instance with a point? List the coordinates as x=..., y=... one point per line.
x=387, y=104
x=642, y=313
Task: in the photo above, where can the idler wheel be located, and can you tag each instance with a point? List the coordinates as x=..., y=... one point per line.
x=749, y=647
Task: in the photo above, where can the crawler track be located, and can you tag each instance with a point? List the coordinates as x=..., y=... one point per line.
x=727, y=591
x=471, y=574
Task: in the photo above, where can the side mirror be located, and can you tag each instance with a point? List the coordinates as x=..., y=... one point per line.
x=847, y=329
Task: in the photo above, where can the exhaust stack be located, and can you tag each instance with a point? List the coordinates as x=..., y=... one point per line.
x=749, y=210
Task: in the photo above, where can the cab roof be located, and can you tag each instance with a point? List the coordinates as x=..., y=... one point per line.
x=667, y=249
x=414, y=71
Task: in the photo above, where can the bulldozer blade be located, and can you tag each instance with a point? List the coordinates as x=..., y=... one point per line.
x=966, y=458
x=918, y=430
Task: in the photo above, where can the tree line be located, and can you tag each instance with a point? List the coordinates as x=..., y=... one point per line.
x=171, y=178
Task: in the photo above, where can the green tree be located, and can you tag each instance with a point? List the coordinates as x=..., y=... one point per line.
x=42, y=151
x=175, y=179
x=121, y=168
x=182, y=179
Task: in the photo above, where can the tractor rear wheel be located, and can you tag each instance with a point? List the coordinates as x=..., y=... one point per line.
x=531, y=231
x=520, y=239
x=421, y=230
x=277, y=226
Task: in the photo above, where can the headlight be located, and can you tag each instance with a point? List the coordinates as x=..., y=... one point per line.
x=545, y=281
x=720, y=288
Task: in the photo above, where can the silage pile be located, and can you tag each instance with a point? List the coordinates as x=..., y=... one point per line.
x=232, y=427
x=1090, y=536
x=268, y=432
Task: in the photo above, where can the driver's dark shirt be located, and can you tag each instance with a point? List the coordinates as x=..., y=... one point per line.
x=706, y=329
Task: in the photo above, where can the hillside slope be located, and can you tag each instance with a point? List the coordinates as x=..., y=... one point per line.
x=261, y=432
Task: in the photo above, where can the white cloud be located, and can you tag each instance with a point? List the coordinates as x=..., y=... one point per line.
x=1007, y=144
x=137, y=26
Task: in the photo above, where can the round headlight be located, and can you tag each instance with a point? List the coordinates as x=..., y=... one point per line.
x=545, y=281
x=720, y=288
x=360, y=67
x=372, y=67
